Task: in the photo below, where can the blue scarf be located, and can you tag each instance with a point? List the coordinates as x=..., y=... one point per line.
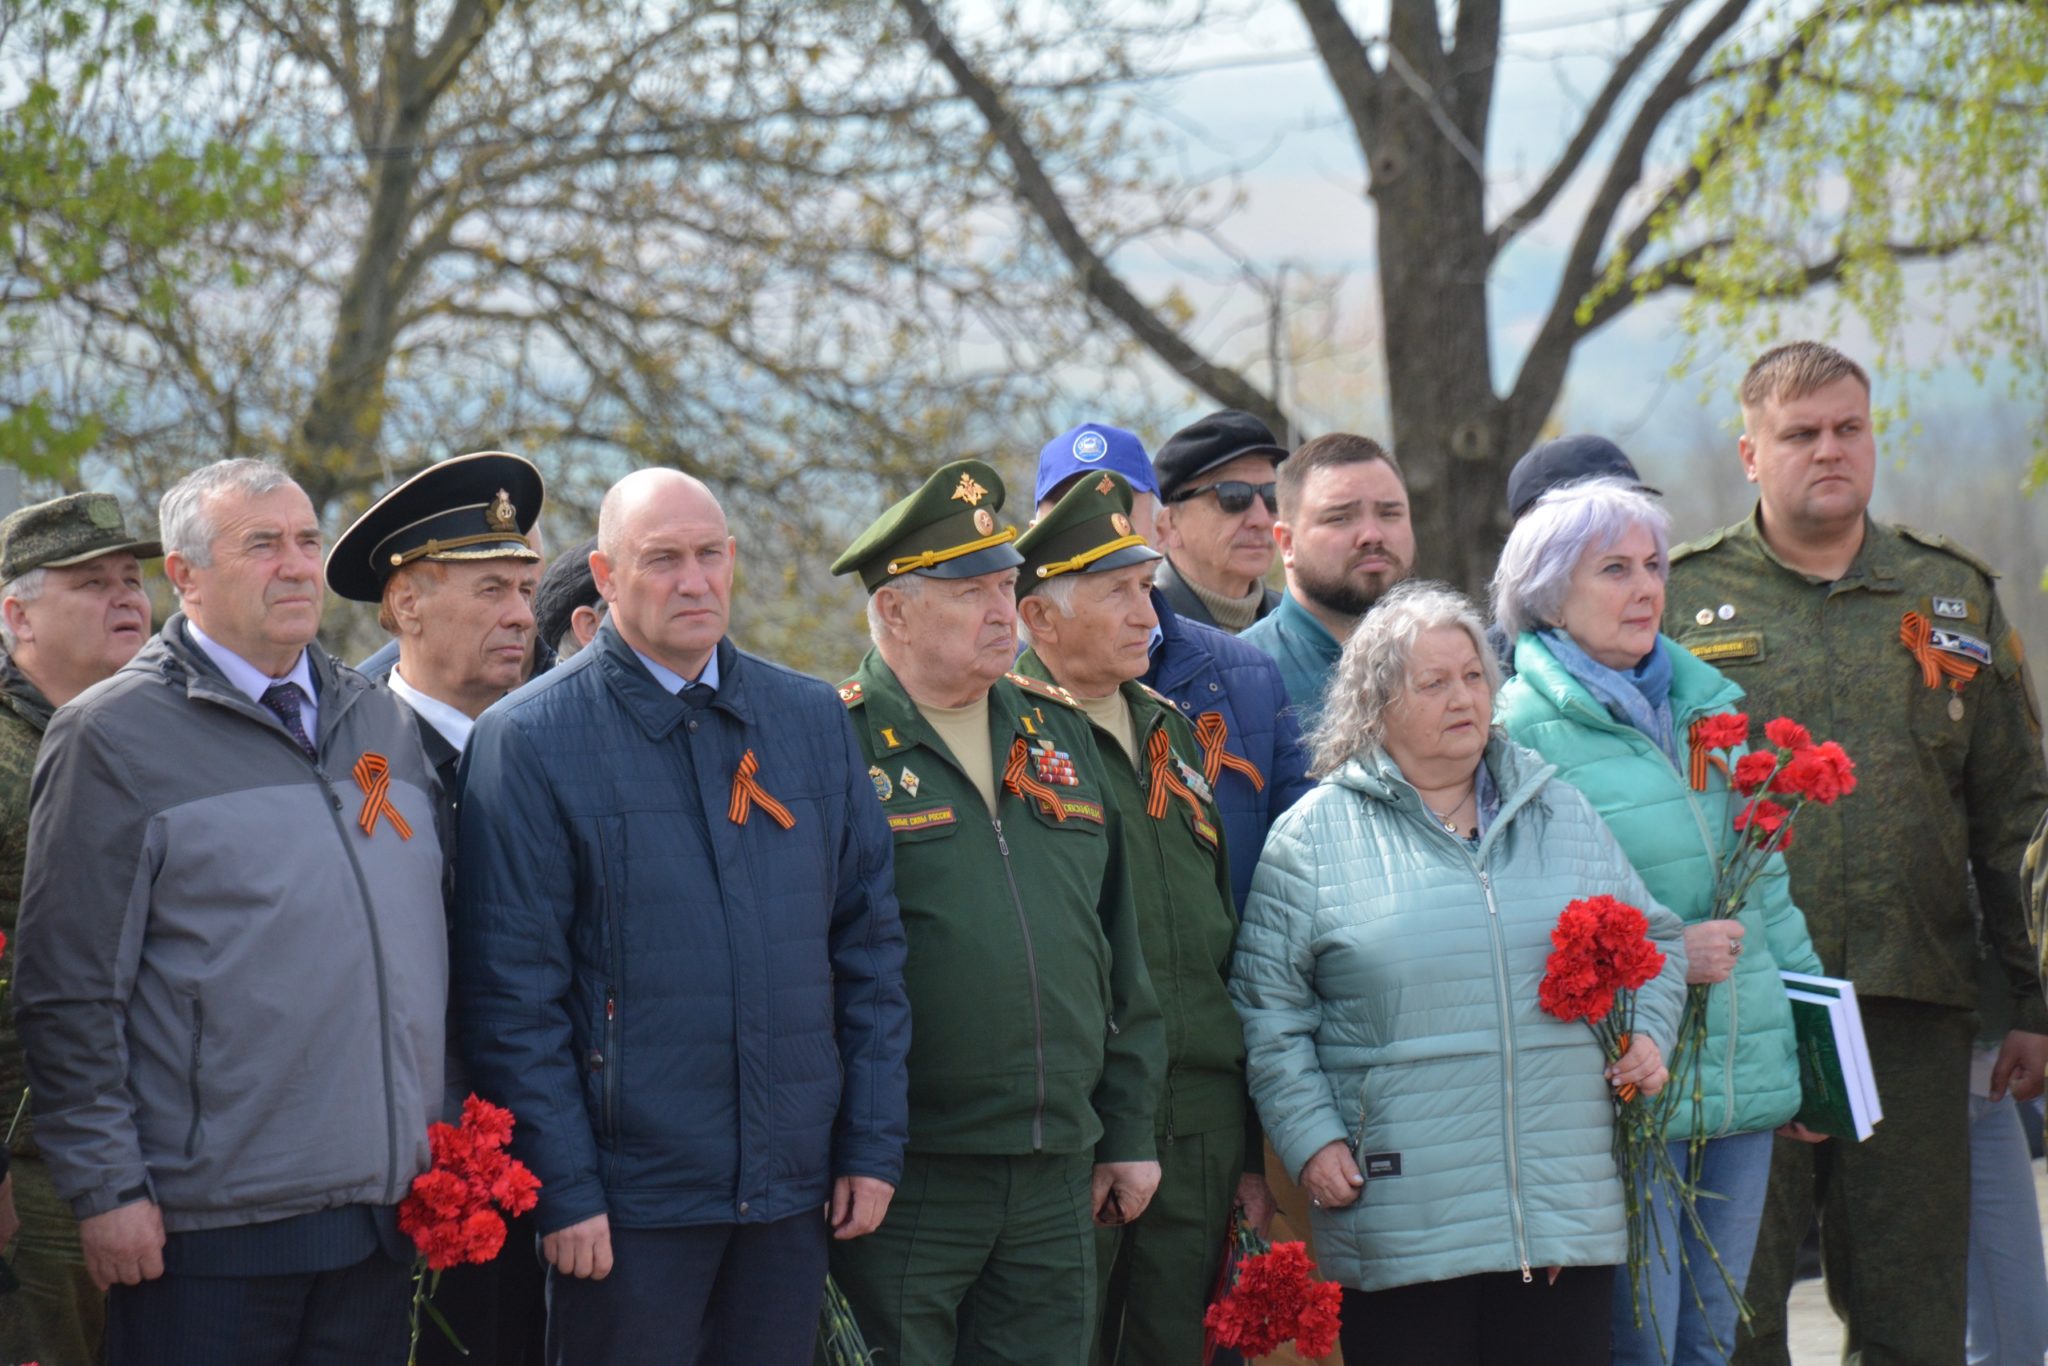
x=1639, y=697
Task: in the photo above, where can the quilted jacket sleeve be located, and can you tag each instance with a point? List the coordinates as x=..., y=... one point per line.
x=515, y=902
x=1272, y=982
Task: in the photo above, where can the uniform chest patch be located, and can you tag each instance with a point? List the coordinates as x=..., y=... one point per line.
x=1956, y=643
x=1957, y=609
x=1727, y=648
x=904, y=822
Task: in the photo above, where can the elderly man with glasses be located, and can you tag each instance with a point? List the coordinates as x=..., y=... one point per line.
x=1217, y=501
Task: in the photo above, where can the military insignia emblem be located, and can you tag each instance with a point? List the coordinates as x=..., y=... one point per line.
x=985, y=521
x=1705, y=616
x=881, y=781
x=909, y=781
x=502, y=516
x=1956, y=643
x=1090, y=447
x=1955, y=608
x=1105, y=485
x=1955, y=707
x=1194, y=779
x=104, y=513
x=889, y=738
x=1121, y=523
x=1726, y=611
x=850, y=693
x=969, y=492
x=1054, y=765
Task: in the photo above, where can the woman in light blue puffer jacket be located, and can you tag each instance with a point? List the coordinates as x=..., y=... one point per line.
x=1601, y=694
x=1386, y=972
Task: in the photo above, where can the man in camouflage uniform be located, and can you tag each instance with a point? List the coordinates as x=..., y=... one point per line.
x=1085, y=598
x=1036, y=1052
x=1891, y=641
x=72, y=611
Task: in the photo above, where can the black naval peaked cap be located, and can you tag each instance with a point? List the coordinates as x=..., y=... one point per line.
x=1087, y=532
x=468, y=507
x=945, y=530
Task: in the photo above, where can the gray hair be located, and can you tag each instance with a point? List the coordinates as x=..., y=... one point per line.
x=567, y=647
x=1374, y=668
x=185, y=516
x=24, y=588
x=1057, y=590
x=1568, y=523
x=911, y=586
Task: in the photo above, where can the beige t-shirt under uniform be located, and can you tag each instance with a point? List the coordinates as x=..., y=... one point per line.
x=1113, y=714
x=964, y=732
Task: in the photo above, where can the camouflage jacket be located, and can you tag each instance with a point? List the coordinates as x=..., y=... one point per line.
x=24, y=713
x=1950, y=772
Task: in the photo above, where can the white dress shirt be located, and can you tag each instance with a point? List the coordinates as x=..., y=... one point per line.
x=454, y=727
x=251, y=681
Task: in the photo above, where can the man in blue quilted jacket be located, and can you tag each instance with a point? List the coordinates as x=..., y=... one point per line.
x=679, y=962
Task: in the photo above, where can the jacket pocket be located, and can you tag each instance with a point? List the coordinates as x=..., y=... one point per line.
x=192, y=1074
x=917, y=825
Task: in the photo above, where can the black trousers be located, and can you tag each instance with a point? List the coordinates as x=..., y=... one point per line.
x=722, y=1295
x=354, y=1316
x=1492, y=1320
x=498, y=1310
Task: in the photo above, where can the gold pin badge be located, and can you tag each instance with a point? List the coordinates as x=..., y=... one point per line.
x=985, y=521
x=502, y=515
x=881, y=782
x=1105, y=485
x=1705, y=616
x=1121, y=523
x=969, y=492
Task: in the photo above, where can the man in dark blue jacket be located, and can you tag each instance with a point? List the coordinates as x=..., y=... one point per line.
x=679, y=962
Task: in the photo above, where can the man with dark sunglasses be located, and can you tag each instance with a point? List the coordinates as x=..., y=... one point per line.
x=1217, y=502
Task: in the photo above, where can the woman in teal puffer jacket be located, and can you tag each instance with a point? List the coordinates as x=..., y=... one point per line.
x=1607, y=699
x=1386, y=971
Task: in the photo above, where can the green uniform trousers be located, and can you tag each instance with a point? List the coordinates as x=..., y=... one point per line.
x=1154, y=1276
x=58, y=1317
x=1894, y=1209
x=980, y=1260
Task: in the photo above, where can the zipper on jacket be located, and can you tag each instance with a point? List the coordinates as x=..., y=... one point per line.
x=1507, y=1035
x=1030, y=971
x=192, y=1076
x=609, y=1083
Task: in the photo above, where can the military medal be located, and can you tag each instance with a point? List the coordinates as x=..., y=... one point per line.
x=881, y=781
x=1955, y=707
x=1054, y=766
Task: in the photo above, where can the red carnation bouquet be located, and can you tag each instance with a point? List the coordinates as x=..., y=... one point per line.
x=1270, y=1297
x=1601, y=954
x=456, y=1211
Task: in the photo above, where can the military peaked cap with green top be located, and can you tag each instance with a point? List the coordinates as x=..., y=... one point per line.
x=1087, y=532
x=470, y=507
x=945, y=530
x=65, y=531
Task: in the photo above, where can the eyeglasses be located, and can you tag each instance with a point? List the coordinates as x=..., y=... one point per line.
x=1235, y=495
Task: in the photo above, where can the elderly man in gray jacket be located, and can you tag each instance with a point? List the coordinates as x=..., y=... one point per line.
x=233, y=963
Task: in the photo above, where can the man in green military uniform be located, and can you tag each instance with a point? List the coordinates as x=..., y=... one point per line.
x=72, y=611
x=1891, y=641
x=1084, y=595
x=1036, y=1054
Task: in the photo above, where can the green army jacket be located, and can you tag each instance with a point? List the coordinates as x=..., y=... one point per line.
x=1180, y=875
x=1034, y=1027
x=1950, y=781
x=24, y=715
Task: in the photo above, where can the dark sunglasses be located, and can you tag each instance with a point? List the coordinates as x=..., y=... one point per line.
x=1235, y=495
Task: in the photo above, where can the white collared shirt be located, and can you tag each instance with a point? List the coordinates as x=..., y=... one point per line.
x=453, y=726
x=675, y=682
x=252, y=682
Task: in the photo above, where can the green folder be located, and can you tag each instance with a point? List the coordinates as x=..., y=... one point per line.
x=1838, y=1090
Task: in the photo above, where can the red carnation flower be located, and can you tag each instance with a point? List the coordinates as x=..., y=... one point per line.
x=1725, y=731
x=1752, y=771
x=1763, y=816
x=1786, y=733
x=1822, y=773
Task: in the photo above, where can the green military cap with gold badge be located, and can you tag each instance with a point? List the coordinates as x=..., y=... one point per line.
x=945, y=530
x=65, y=531
x=1087, y=532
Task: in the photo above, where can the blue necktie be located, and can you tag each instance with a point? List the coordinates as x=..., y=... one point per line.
x=283, y=698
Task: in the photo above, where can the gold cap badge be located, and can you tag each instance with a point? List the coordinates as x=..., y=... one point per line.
x=502, y=516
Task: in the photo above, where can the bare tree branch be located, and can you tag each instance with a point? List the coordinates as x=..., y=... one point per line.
x=1349, y=68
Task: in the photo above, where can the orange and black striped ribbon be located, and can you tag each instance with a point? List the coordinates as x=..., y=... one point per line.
x=1916, y=633
x=1017, y=777
x=748, y=794
x=373, y=775
x=1698, y=767
x=1166, y=784
x=1211, y=731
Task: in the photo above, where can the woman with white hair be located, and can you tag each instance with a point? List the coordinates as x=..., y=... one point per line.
x=1602, y=694
x=1455, y=1141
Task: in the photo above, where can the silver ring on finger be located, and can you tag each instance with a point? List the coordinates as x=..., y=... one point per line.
x=1317, y=1203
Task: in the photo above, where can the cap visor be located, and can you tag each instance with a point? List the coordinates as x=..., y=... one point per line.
x=989, y=561
x=141, y=550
